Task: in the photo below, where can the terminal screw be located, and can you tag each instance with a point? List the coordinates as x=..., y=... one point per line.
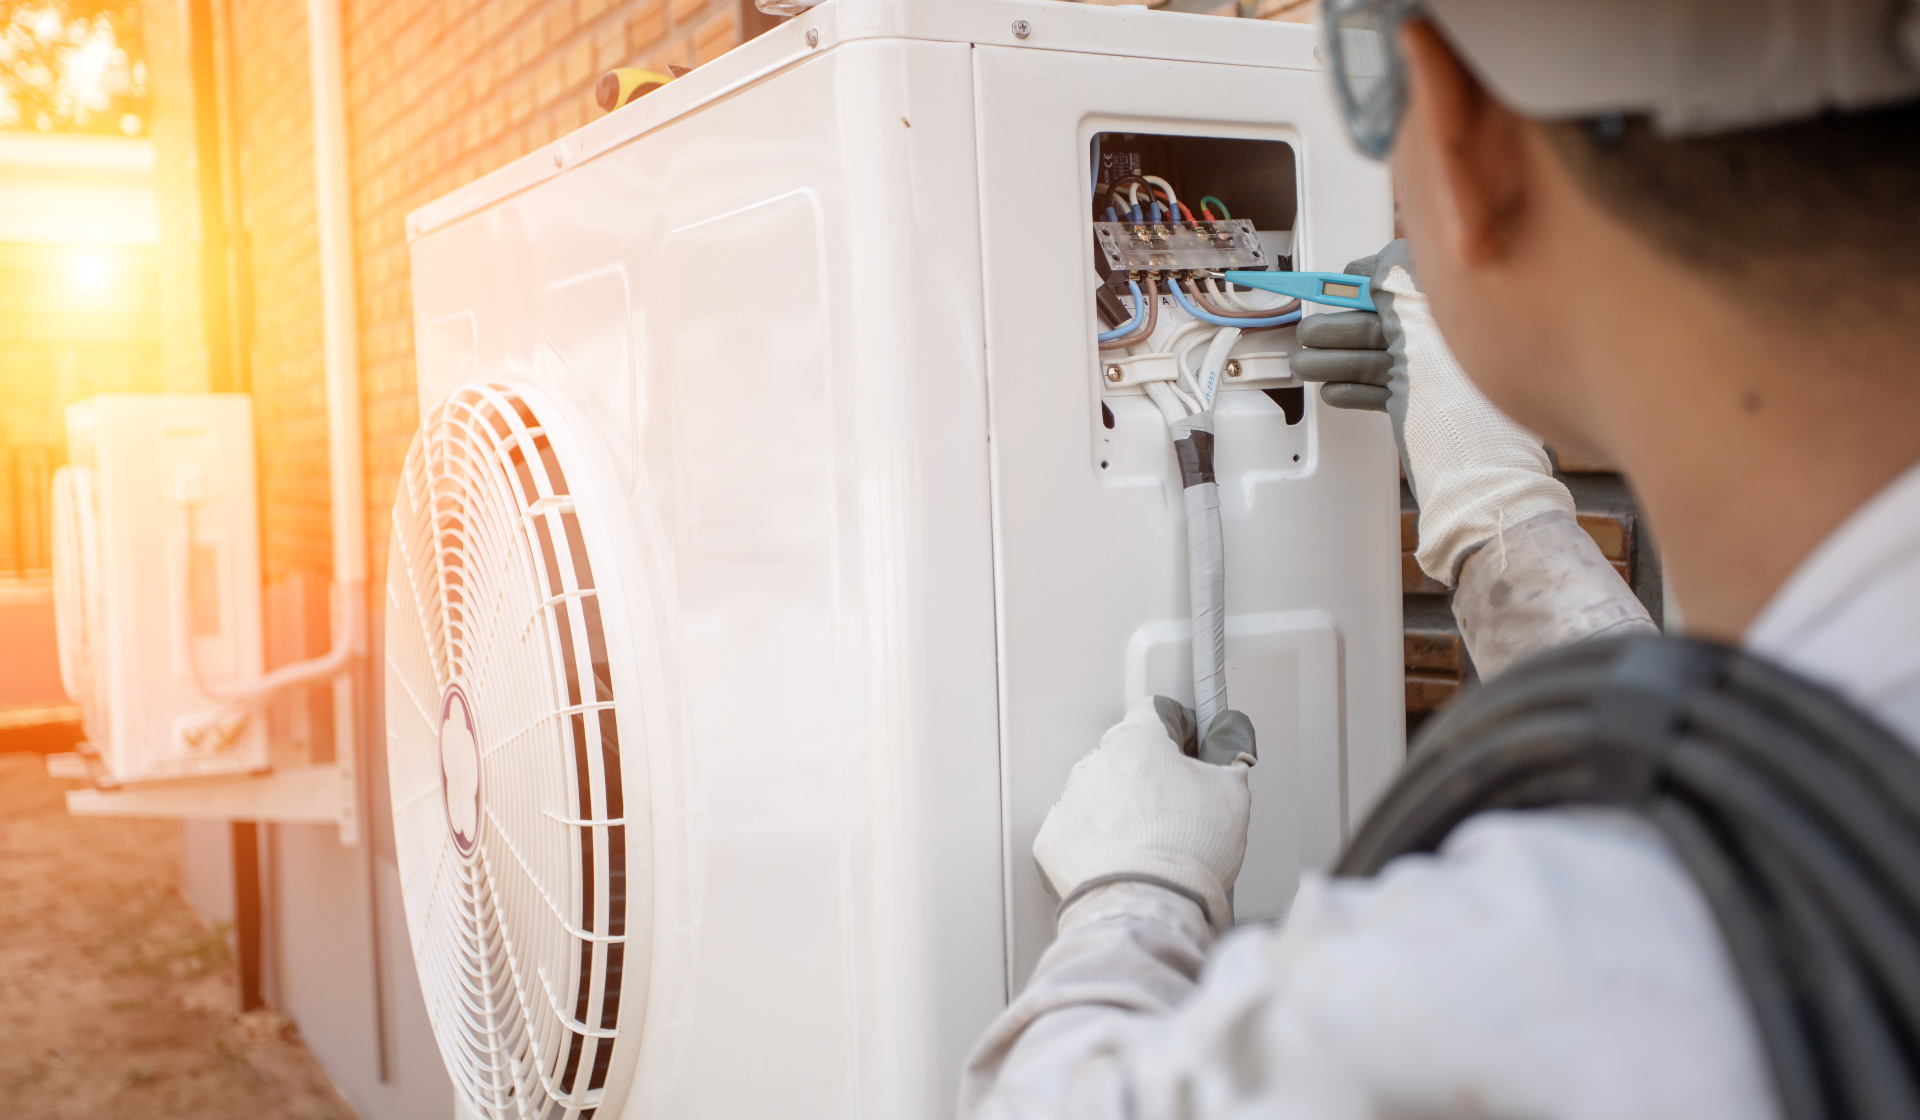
x=1233, y=368
x=813, y=37
x=1022, y=29
x=1116, y=375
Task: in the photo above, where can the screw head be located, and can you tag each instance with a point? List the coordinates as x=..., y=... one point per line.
x=1233, y=368
x=1022, y=29
x=813, y=37
x=1116, y=375
x=559, y=160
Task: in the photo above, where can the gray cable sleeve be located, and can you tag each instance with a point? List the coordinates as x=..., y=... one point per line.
x=1206, y=573
x=1206, y=568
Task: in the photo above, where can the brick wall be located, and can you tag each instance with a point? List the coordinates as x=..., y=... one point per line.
x=438, y=94
x=182, y=353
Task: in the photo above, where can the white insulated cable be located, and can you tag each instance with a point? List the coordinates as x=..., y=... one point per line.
x=1180, y=334
x=1167, y=398
x=1226, y=294
x=1173, y=200
x=1214, y=364
x=1189, y=380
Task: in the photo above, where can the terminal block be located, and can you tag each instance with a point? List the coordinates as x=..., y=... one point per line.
x=1172, y=248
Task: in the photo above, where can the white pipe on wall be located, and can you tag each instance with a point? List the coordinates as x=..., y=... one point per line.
x=340, y=333
x=339, y=319
x=346, y=479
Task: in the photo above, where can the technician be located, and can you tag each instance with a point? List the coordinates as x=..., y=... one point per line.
x=1683, y=235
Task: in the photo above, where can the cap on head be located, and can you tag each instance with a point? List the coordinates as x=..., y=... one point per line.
x=1692, y=66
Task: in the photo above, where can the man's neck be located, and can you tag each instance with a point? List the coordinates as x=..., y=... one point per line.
x=1748, y=440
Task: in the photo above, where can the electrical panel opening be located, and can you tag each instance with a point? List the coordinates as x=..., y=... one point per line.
x=1219, y=182
x=1179, y=225
x=1176, y=221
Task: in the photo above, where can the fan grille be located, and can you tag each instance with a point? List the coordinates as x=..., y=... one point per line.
x=504, y=736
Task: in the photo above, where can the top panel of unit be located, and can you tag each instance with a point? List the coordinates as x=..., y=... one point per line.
x=1048, y=25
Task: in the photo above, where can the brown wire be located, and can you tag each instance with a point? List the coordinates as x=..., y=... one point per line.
x=1207, y=305
x=1153, y=318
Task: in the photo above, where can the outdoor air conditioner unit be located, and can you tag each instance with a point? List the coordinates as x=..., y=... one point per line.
x=776, y=538
x=157, y=583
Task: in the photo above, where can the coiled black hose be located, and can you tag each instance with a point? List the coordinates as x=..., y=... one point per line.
x=1797, y=815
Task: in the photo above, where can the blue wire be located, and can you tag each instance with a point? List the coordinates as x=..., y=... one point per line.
x=1137, y=215
x=1187, y=306
x=1156, y=212
x=1111, y=216
x=1139, y=316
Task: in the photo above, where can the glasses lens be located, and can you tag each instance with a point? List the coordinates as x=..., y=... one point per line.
x=1367, y=75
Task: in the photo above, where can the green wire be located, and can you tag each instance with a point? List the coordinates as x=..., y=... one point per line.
x=1224, y=215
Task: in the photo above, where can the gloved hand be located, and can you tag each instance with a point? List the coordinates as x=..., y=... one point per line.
x=1140, y=810
x=1473, y=471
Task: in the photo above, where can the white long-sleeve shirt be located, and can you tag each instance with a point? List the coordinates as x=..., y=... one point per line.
x=1544, y=964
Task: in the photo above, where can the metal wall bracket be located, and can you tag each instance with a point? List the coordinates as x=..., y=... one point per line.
x=322, y=794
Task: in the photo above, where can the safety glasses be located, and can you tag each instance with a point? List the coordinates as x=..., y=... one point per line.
x=1369, y=79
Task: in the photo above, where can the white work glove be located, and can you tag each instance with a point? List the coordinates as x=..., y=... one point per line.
x=1473, y=471
x=1139, y=810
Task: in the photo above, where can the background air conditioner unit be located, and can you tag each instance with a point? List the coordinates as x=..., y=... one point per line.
x=157, y=582
x=777, y=537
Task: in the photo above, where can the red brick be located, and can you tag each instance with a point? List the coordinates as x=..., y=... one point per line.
x=715, y=37
x=547, y=83
x=677, y=53
x=559, y=21
x=1425, y=693
x=647, y=25
x=609, y=47
x=576, y=65
x=1413, y=581
x=1613, y=532
x=683, y=12
x=1435, y=651
x=1574, y=462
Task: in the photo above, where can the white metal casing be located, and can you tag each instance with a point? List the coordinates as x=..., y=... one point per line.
x=829, y=308
x=149, y=464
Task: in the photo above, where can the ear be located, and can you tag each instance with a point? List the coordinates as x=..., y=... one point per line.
x=1479, y=146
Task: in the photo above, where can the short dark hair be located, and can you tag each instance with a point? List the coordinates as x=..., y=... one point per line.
x=1816, y=212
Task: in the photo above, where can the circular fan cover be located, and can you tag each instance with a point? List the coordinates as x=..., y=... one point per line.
x=521, y=835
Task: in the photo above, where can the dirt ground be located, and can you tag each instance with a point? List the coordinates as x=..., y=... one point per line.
x=115, y=1002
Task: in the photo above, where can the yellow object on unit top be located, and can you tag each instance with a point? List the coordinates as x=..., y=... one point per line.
x=619, y=87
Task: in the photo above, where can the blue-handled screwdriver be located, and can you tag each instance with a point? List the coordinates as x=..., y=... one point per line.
x=1335, y=289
